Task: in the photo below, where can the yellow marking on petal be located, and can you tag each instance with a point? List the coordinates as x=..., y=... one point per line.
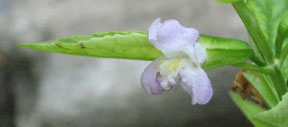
x=173, y=66
x=161, y=62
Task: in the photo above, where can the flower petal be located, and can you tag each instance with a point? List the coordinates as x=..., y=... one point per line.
x=168, y=72
x=200, y=53
x=196, y=82
x=196, y=53
x=153, y=30
x=171, y=36
x=149, y=79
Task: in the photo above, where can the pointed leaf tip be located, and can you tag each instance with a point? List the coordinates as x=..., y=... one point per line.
x=228, y=1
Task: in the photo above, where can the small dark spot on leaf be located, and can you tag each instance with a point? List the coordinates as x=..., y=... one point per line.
x=82, y=46
x=58, y=45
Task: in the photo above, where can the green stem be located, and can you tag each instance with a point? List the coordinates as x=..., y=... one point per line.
x=279, y=82
x=280, y=40
x=278, y=46
x=257, y=61
x=254, y=67
x=284, y=55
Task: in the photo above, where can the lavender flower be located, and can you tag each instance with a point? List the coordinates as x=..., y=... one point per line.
x=180, y=64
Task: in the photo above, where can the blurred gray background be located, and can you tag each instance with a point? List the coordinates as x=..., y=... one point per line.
x=39, y=89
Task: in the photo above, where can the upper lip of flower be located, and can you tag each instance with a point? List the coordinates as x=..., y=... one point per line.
x=171, y=35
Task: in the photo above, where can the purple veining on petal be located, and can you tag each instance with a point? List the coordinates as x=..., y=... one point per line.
x=196, y=82
x=171, y=36
x=148, y=79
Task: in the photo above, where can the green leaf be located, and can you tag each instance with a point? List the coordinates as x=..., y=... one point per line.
x=224, y=51
x=249, y=108
x=275, y=117
x=228, y=1
x=262, y=19
x=264, y=87
x=135, y=45
x=284, y=69
x=113, y=44
x=284, y=60
x=282, y=36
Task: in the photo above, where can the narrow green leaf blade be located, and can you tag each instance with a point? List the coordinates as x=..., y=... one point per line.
x=249, y=108
x=113, y=44
x=284, y=69
x=135, y=45
x=266, y=89
x=224, y=51
x=282, y=35
x=284, y=59
x=262, y=19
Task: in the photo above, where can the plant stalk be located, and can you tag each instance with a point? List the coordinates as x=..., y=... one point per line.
x=284, y=55
x=254, y=67
x=279, y=82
